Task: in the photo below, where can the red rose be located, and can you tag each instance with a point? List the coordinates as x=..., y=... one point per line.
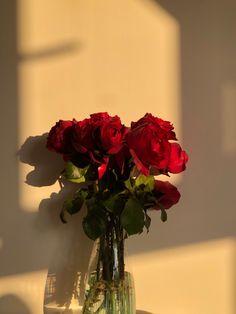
x=112, y=134
x=167, y=194
x=121, y=160
x=148, y=140
x=57, y=138
x=108, y=132
x=98, y=117
x=177, y=159
x=82, y=137
x=98, y=137
x=165, y=128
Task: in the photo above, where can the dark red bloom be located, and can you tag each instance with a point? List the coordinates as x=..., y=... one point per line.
x=100, y=135
x=110, y=134
x=149, y=143
x=167, y=194
x=148, y=140
x=105, y=142
x=57, y=139
x=164, y=128
x=82, y=137
x=98, y=117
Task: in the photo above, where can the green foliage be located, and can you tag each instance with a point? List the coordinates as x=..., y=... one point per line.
x=132, y=217
x=68, y=207
x=95, y=223
x=109, y=198
x=163, y=212
x=74, y=174
x=163, y=215
x=145, y=183
x=91, y=173
x=147, y=222
x=129, y=184
x=115, y=203
x=73, y=206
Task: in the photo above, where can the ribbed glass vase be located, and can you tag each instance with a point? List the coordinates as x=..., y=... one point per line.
x=109, y=287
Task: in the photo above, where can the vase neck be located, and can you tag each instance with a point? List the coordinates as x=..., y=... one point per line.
x=111, y=254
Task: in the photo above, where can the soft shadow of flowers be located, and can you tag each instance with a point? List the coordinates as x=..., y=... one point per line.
x=47, y=165
x=72, y=251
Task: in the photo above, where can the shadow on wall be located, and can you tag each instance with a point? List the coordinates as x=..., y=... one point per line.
x=208, y=67
x=33, y=248
x=67, y=261
x=10, y=304
x=36, y=240
x=68, y=266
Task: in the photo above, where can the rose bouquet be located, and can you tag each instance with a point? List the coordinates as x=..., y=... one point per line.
x=115, y=168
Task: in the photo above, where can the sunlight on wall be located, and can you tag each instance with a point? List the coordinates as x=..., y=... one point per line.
x=194, y=279
x=90, y=56
x=188, y=280
x=29, y=288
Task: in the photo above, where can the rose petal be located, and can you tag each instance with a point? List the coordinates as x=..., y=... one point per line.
x=141, y=167
x=178, y=159
x=101, y=170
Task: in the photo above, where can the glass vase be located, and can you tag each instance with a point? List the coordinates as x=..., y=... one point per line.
x=109, y=285
x=64, y=287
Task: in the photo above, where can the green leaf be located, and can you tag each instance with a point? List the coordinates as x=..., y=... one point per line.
x=147, y=222
x=115, y=203
x=163, y=212
x=91, y=173
x=73, y=206
x=77, y=202
x=74, y=174
x=66, y=206
x=149, y=200
x=132, y=217
x=70, y=207
x=82, y=193
x=96, y=220
x=163, y=215
x=146, y=183
x=94, y=225
x=128, y=184
x=92, y=204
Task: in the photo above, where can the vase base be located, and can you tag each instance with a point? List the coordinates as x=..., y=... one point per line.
x=115, y=297
x=53, y=308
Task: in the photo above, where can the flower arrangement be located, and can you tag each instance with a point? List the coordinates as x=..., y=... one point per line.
x=118, y=166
